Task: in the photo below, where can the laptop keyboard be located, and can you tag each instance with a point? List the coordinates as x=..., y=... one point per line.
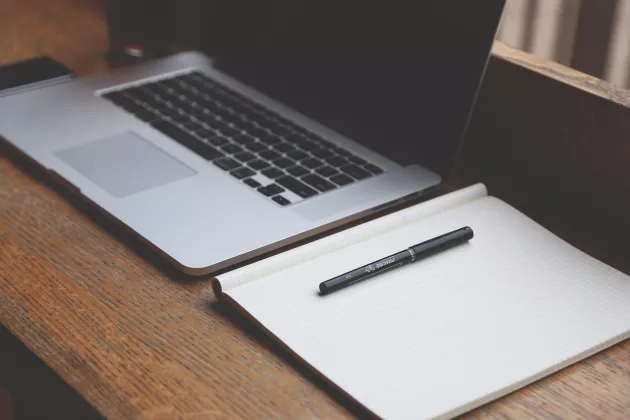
x=282, y=160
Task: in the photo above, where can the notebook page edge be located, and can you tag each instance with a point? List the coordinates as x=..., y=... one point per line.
x=343, y=239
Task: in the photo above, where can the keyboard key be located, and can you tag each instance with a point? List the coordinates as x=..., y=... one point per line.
x=171, y=83
x=357, y=160
x=259, y=164
x=179, y=118
x=217, y=140
x=258, y=118
x=301, y=130
x=256, y=147
x=252, y=182
x=228, y=132
x=244, y=156
x=272, y=173
x=269, y=139
x=271, y=124
x=195, y=77
x=150, y=97
x=284, y=147
x=298, y=171
x=164, y=86
x=294, y=127
x=325, y=143
x=193, y=126
x=373, y=168
x=146, y=116
x=231, y=120
x=283, y=163
x=249, y=125
x=223, y=110
x=281, y=200
x=127, y=104
x=270, y=190
x=308, y=146
x=203, y=132
x=226, y=164
x=214, y=108
x=115, y=96
x=342, y=152
x=297, y=139
x=169, y=112
x=312, y=163
x=132, y=91
x=209, y=120
x=210, y=110
x=296, y=186
x=130, y=102
x=297, y=155
x=318, y=182
x=336, y=161
x=256, y=132
x=355, y=172
x=269, y=154
x=321, y=153
x=281, y=130
x=326, y=171
x=231, y=149
x=183, y=106
x=241, y=173
x=342, y=179
x=166, y=110
x=242, y=139
x=188, y=140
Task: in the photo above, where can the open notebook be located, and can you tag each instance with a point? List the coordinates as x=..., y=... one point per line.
x=444, y=335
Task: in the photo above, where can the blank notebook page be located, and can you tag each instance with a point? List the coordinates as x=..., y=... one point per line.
x=443, y=335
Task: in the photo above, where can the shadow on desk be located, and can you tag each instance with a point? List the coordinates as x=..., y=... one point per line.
x=37, y=393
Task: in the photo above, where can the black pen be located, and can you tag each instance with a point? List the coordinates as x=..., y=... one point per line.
x=409, y=255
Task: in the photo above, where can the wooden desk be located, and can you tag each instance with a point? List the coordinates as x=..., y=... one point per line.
x=139, y=341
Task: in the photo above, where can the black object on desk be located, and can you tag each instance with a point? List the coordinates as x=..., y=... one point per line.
x=32, y=74
x=409, y=255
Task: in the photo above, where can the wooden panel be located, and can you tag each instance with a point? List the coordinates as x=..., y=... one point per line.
x=554, y=141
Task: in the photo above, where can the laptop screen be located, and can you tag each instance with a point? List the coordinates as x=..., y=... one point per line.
x=399, y=77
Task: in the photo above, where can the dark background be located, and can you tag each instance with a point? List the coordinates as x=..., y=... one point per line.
x=399, y=77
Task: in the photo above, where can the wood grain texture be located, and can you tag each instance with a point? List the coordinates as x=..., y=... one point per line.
x=71, y=31
x=139, y=341
x=554, y=142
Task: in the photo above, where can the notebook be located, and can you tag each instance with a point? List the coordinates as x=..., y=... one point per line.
x=441, y=336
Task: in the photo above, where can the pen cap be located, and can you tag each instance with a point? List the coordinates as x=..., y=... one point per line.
x=443, y=242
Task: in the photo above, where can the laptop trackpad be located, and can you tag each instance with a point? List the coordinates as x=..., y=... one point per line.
x=124, y=164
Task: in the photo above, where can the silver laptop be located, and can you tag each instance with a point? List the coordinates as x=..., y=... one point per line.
x=309, y=114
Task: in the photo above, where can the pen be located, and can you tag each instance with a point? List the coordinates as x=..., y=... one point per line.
x=407, y=256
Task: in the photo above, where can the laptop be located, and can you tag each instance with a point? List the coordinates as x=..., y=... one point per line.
x=299, y=116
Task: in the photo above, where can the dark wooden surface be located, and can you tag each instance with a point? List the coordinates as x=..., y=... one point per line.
x=137, y=340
